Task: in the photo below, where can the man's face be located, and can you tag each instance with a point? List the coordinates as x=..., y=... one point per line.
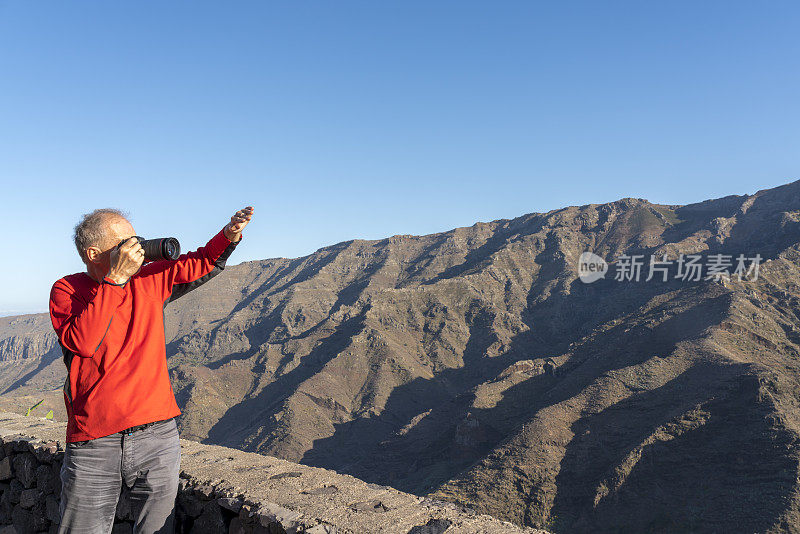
x=117, y=229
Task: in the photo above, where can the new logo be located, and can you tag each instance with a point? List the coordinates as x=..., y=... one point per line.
x=591, y=268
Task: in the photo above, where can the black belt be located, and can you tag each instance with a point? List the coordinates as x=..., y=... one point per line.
x=133, y=429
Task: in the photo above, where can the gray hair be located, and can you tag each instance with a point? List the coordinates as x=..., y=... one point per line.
x=91, y=230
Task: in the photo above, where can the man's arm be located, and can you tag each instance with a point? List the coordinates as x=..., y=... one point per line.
x=195, y=268
x=81, y=327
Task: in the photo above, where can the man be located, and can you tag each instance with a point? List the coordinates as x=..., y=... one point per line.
x=120, y=404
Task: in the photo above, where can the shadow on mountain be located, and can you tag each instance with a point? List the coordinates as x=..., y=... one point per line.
x=241, y=418
x=368, y=445
x=696, y=455
x=453, y=434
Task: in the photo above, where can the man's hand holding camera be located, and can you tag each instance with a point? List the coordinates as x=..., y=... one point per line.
x=126, y=260
x=233, y=230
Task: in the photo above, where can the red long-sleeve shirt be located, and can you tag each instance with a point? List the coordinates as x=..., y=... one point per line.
x=113, y=341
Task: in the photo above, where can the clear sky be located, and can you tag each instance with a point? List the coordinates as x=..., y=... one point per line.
x=342, y=120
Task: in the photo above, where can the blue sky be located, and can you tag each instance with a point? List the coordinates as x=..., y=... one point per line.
x=342, y=120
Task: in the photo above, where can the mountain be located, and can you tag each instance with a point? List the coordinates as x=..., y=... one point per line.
x=475, y=366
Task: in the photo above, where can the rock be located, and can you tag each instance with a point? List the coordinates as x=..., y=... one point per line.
x=5, y=469
x=6, y=506
x=46, y=451
x=247, y=518
x=25, y=468
x=190, y=505
x=205, y=490
x=324, y=490
x=29, y=497
x=39, y=515
x=183, y=522
x=434, y=526
x=8, y=529
x=270, y=513
x=44, y=479
x=52, y=509
x=55, y=473
x=22, y=520
x=210, y=521
x=322, y=528
x=236, y=526
x=369, y=506
x=14, y=490
x=230, y=503
x=288, y=474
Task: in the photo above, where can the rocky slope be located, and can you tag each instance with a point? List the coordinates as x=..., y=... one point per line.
x=473, y=365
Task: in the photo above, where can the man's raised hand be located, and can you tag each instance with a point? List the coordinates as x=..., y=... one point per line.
x=233, y=230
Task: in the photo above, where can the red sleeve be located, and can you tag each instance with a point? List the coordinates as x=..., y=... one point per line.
x=195, y=265
x=79, y=325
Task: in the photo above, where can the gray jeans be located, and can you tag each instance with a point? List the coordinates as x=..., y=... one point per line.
x=147, y=461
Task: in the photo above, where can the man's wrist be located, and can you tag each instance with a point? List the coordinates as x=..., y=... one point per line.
x=115, y=279
x=233, y=237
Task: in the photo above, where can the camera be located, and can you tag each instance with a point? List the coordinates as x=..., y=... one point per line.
x=164, y=248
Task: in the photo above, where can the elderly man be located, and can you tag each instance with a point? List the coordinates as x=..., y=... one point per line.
x=120, y=404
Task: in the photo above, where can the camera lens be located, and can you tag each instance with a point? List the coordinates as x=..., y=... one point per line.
x=171, y=249
x=167, y=248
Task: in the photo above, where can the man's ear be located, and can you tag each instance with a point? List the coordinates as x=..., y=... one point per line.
x=93, y=254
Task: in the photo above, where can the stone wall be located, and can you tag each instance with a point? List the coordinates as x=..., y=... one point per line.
x=226, y=491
